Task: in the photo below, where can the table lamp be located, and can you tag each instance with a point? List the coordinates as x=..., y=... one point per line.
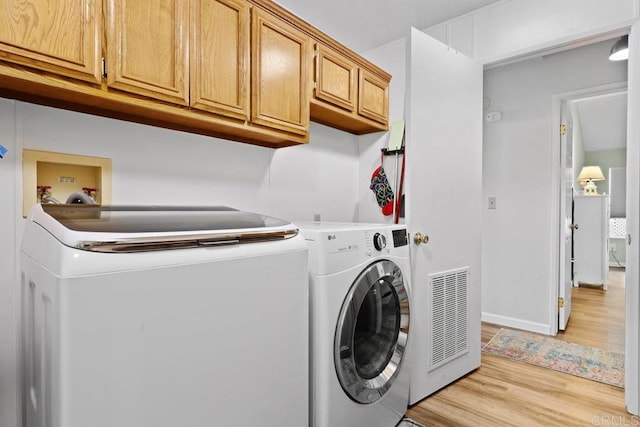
x=588, y=175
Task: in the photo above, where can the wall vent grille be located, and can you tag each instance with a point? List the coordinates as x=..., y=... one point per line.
x=449, y=316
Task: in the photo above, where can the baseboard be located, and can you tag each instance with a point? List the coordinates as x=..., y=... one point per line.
x=511, y=322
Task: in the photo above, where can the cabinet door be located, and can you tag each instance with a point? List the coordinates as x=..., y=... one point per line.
x=147, y=48
x=220, y=57
x=591, y=239
x=280, y=85
x=61, y=36
x=373, y=97
x=336, y=79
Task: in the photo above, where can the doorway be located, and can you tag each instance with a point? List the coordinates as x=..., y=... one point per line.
x=591, y=133
x=595, y=135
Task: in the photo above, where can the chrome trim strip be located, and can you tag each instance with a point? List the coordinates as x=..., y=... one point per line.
x=370, y=389
x=147, y=244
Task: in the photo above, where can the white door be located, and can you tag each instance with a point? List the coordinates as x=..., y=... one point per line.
x=566, y=195
x=443, y=202
x=632, y=295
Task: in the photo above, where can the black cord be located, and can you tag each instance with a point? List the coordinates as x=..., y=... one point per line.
x=613, y=254
x=387, y=152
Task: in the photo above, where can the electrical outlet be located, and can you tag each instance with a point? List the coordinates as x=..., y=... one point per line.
x=612, y=247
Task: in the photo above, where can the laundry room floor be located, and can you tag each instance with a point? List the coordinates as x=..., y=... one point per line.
x=506, y=392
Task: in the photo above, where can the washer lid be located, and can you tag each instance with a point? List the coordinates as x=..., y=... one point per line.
x=146, y=228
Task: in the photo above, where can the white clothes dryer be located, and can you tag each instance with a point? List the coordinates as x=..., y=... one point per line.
x=163, y=317
x=359, y=320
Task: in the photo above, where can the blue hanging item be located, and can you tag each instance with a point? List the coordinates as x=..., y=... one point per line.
x=3, y=151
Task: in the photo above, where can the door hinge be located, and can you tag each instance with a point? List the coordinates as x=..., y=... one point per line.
x=563, y=129
x=560, y=302
x=315, y=85
x=104, y=68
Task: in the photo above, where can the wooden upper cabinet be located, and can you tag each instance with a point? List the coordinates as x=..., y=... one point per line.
x=280, y=81
x=235, y=69
x=220, y=74
x=348, y=94
x=336, y=79
x=61, y=36
x=148, y=48
x=373, y=101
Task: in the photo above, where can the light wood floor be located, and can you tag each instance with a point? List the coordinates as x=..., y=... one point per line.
x=503, y=392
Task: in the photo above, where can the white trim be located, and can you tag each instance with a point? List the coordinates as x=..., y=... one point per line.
x=632, y=309
x=570, y=41
x=560, y=45
x=18, y=229
x=557, y=210
x=511, y=322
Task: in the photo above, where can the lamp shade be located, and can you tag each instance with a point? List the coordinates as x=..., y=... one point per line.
x=620, y=49
x=594, y=173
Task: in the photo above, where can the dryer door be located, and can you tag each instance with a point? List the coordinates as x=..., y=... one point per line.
x=371, y=334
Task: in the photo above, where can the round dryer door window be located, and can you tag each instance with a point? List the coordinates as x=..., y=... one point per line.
x=371, y=335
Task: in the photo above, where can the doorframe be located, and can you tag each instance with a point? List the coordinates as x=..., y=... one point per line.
x=558, y=188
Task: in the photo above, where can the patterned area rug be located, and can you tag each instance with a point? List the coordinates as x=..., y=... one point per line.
x=590, y=363
x=408, y=422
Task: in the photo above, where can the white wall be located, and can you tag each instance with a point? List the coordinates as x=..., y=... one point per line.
x=159, y=166
x=8, y=266
x=512, y=28
x=154, y=165
x=517, y=278
x=392, y=57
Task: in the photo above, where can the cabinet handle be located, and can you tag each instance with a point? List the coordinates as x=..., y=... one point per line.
x=574, y=226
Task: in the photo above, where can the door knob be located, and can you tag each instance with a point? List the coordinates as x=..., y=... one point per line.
x=574, y=226
x=420, y=238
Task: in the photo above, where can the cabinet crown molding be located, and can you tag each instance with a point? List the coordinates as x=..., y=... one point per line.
x=302, y=25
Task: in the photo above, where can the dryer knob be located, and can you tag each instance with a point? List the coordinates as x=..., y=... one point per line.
x=379, y=241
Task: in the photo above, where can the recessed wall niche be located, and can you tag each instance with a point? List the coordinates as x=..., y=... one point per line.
x=53, y=177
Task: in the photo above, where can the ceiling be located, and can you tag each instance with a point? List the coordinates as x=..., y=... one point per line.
x=603, y=121
x=364, y=24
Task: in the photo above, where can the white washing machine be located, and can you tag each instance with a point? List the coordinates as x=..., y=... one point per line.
x=359, y=319
x=163, y=317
